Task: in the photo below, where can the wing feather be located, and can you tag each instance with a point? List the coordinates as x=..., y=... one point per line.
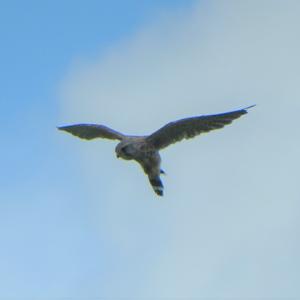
x=190, y=127
x=92, y=131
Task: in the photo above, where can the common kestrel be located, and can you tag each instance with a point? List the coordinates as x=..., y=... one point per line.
x=145, y=149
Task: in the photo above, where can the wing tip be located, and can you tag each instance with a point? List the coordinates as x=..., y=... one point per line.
x=62, y=128
x=248, y=107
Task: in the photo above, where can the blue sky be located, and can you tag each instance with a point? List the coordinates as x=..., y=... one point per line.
x=75, y=222
x=51, y=248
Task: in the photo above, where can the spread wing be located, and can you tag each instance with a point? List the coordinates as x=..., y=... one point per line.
x=190, y=127
x=92, y=131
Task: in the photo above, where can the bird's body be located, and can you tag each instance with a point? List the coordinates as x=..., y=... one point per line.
x=136, y=148
x=145, y=149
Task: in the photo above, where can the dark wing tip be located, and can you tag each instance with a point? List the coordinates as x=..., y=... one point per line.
x=64, y=128
x=76, y=130
x=248, y=107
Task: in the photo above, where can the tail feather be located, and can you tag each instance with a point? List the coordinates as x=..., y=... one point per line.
x=162, y=172
x=157, y=185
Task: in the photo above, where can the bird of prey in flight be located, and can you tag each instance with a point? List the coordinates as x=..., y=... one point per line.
x=145, y=149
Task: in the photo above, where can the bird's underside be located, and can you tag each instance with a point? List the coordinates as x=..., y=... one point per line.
x=145, y=149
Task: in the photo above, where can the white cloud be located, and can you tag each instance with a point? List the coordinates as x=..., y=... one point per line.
x=229, y=221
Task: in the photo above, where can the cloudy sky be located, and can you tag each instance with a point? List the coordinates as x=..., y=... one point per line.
x=76, y=223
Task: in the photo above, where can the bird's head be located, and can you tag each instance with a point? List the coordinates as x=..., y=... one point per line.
x=123, y=151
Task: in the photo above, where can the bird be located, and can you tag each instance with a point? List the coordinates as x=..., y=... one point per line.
x=145, y=149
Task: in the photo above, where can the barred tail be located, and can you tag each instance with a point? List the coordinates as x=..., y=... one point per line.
x=157, y=185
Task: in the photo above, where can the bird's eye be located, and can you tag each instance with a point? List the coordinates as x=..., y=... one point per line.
x=125, y=150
